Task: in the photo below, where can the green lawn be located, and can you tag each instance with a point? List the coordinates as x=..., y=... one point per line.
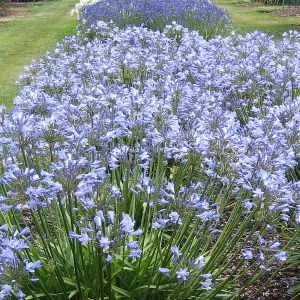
x=23, y=39
x=249, y=18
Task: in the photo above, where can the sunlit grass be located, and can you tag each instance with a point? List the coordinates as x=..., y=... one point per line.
x=25, y=38
x=250, y=18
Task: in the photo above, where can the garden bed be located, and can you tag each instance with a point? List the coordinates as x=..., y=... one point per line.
x=290, y=12
x=278, y=287
x=12, y=10
x=156, y=161
x=252, y=4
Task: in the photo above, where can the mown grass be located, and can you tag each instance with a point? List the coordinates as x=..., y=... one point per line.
x=250, y=18
x=25, y=38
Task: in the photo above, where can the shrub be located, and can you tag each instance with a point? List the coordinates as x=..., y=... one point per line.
x=2, y=2
x=203, y=15
x=149, y=165
x=80, y=5
x=279, y=2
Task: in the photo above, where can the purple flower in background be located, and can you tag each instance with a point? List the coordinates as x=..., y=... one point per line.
x=275, y=245
x=8, y=254
x=156, y=225
x=182, y=274
x=31, y=266
x=4, y=227
x=206, y=276
x=98, y=221
x=175, y=251
x=208, y=215
x=200, y=260
x=136, y=12
x=165, y=271
x=5, y=291
x=175, y=218
x=162, y=222
x=111, y=216
x=24, y=231
x=206, y=285
x=83, y=238
x=13, y=243
x=137, y=232
x=20, y=294
x=127, y=223
x=133, y=245
x=135, y=253
x=104, y=242
x=282, y=256
x=248, y=254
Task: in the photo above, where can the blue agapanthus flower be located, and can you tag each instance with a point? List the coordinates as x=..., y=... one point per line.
x=107, y=129
x=201, y=14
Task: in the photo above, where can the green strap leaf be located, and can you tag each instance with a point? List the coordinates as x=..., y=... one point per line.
x=121, y=291
x=73, y=293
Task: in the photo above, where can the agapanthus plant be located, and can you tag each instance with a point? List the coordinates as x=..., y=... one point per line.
x=150, y=165
x=201, y=15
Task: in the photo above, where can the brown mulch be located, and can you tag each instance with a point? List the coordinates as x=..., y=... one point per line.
x=5, y=13
x=252, y=4
x=17, y=5
x=8, y=10
x=277, y=288
x=270, y=286
x=290, y=12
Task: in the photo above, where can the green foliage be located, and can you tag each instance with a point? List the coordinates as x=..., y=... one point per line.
x=2, y=2
x=74, y=271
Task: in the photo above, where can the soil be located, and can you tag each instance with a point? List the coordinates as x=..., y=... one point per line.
x=290, y=12
x=272, y=285
x=17, y=5
x=252, y=4
x=277, y=288
x=8, y=10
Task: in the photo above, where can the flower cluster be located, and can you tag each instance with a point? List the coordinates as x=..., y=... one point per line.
x=229, y=101
x=202, y=15
x=15, y=268
x=129, y=146
x=80, y=5
x=116, y=236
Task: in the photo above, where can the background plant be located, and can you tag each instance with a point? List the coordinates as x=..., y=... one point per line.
x=146, y=164
x=79, y=6
x=203, y=16
x=280, y=2
x=2, y=2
